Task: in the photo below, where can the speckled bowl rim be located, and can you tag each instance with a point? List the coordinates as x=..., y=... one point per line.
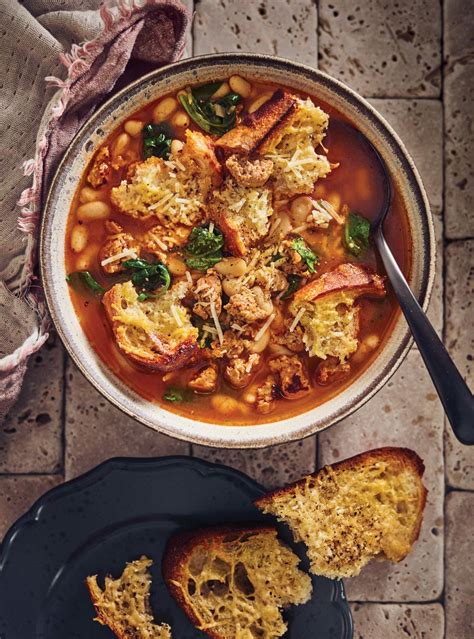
x=269, y=433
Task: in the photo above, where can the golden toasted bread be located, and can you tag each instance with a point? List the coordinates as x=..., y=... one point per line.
x=250, y=134
x=368, y=506
x=326, y=311
x=232, y=582
x=155, y=333
x=124, y=603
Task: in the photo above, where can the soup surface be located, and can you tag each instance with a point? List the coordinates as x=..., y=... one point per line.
x=219, y=253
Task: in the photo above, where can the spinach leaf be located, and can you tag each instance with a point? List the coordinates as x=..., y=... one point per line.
x=156, y=141
x=80, y=279
x=294, y=282
x=204, y=249
x=173, y=395
x=148, y=276
x=206, y=91
x=213, y=116
x=309, y=257
x=356, y=234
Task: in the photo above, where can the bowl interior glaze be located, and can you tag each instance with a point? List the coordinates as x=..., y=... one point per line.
x=174, y=77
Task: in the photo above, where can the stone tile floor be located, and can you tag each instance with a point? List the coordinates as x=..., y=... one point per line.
x=415, y=61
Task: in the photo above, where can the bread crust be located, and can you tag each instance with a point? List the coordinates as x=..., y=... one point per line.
x=179, y=549
x=248, y=136
x=402, y=456
x=166, y=359
x=347, y=277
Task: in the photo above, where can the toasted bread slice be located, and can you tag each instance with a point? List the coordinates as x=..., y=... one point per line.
x=251, y=133
x=173, y=191
x=155, y=333
x=124, y=603
x=232, y=582
x=368, y=506
x=242, y=214
x=325, y=308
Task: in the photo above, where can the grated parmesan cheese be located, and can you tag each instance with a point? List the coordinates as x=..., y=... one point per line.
x=118, y=256
x=220, y=334
x=263, y=328
x=298, y=317
x=174, y=312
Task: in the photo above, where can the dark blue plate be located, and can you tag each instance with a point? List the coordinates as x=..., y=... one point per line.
x=115, y=513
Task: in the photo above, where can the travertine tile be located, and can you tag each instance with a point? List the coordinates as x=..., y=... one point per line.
x=419, y=123
x=272, y=467
x=458, y=99
x=459, y=590
x=382, y=48
x=459, y=336
x=393, y=621
x=18, y=494
x=286, y=29
x=406, y=412
x=96, y=430
x=31, y=435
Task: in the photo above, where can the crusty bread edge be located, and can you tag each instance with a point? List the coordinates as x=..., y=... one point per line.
x=163, y=362
x=406, y=456
x=179, y=549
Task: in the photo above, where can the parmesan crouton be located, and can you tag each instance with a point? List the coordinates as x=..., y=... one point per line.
x=155, y=333
x=242, y=214
x=124, y=603
x=232, y=582
x=246, y=137
x=249, y=172
x=296, y=165
x=174, y=190
x=369, y=506
x=325, y=308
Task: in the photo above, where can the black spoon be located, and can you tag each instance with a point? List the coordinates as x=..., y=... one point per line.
x=453, y=391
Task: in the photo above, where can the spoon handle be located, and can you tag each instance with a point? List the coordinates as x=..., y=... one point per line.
x=453, y=391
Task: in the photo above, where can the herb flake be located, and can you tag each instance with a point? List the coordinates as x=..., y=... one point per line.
x=356, y=234
x=307, y=255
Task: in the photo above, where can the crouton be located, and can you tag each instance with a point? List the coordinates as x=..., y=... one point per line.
x=296, y=165
x=246, y=137
x=369, y=506
x=242, y=214
x=155, y=333
x=124, y=603
x=325, y=309
x=175, y=190
x=233, y=582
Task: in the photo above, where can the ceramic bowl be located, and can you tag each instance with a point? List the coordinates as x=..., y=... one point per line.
x=172, y=78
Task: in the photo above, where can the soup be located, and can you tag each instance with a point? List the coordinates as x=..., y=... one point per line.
x=219, y=253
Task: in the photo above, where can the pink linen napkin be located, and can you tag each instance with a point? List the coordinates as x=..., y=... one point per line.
x=122, y=40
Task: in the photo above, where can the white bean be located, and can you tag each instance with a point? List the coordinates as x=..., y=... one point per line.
x=164, y=109
x=87, y=258
x=176, y=146
x=223, y=90
x=93, y=211
x=256, y=104
x=240, y=85
x=180, y=119
x=133, y=127
x=176, y=266
x=335, y=200
x=300, y=208
x=79, y=237
x=88, y=194
x=120, y=145
x=372, y=341
x=231, y=286
x=231, y=267
x=224, y=404
x=261, y=344
x=279, y=349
